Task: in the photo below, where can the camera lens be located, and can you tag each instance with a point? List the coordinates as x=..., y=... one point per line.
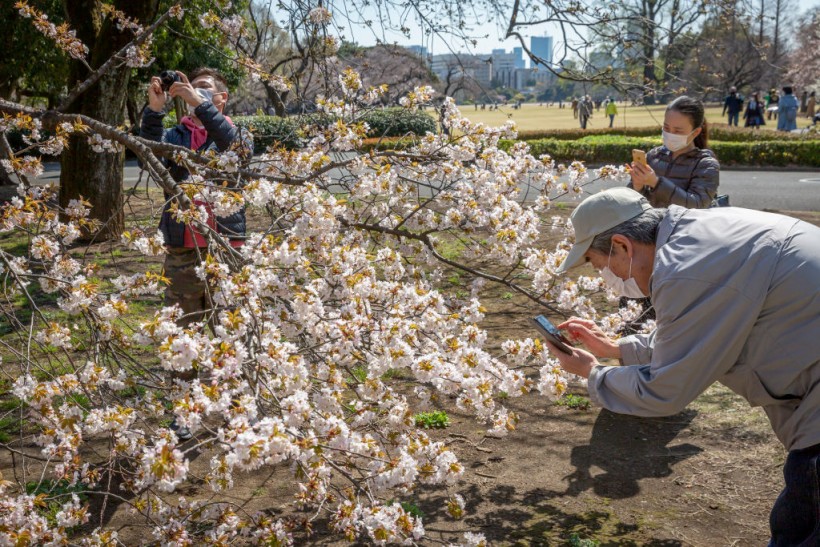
x=168, y=77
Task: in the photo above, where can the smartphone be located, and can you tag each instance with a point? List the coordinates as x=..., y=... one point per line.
x=552, y=334
x=639, y=156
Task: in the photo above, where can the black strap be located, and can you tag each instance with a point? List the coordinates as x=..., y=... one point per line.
x=208, y=142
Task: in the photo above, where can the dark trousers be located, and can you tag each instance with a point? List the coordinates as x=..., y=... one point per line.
x=733, y=118
x=795, y=517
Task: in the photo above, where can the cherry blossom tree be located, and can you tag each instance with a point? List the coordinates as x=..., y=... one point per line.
x=337, y=287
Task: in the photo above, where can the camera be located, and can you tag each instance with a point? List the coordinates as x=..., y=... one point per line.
x=167, y=79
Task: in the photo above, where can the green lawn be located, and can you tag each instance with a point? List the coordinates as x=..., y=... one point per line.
x=533, y=117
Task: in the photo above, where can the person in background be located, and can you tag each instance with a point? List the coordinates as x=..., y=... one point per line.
x=585, y=107
x=738, y=299
x=733, y=104
x=611, y=111
x=787, y=110
x=811, y=105
x=575, y=107
x=772, y=102
x=754, y=112
x=804, y=101
x=205, y=128
x=683, y=171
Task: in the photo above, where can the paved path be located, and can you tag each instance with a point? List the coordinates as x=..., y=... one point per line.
x=782, y=190
x=764, y=189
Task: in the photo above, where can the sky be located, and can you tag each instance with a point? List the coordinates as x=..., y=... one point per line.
x=488, y=35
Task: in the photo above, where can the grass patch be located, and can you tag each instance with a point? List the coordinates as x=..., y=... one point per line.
x=15, y=243
x=53, y=495
x=450, y=247
x=412, y=509
x=577, y=541
x=575, y=402
x=9, y=428
x=432, y=420
x=359, y=372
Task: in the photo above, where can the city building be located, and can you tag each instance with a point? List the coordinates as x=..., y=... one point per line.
x=541, y=47
x=451, y=67
x=504, y=66
x=420, y=51
x=518, y=52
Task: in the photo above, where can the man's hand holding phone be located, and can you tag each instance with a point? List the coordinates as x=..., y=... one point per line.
x=573, y=360
x=552, y=334
x=590, y=335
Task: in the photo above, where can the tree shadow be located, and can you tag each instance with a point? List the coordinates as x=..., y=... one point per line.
x=622, y=451
x=628, y=449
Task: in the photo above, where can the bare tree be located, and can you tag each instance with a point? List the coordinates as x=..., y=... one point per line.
x=395, y=66
x=804, y=62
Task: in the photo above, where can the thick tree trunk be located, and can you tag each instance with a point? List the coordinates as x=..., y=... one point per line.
x=97, y=177
x=277, y=99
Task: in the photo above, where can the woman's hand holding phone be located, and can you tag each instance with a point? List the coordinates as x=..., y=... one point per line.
x=642, y=175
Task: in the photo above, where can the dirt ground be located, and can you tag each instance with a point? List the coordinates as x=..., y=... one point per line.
x=568, y=476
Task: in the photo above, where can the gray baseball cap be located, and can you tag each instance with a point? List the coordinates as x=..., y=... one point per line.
x=597, y=214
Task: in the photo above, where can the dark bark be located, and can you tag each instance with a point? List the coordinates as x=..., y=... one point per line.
x=277, y=99
x=84, y=173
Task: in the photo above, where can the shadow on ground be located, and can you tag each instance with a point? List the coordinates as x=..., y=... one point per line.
x=622, y=450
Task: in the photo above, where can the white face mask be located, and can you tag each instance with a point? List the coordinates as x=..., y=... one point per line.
x=628, y=288
x=206, y=95
x=675, y=142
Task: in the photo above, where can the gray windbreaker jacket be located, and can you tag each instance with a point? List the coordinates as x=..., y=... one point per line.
x=737, y=296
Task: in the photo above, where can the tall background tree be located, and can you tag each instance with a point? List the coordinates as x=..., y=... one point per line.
x=97, y=177
x=20, y=43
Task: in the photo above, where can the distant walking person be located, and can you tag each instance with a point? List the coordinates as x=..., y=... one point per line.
x=574, y=107
x=584, y=111
x=811, y=105
x=611, y=111
x=754, y=112
x=733, y=104
x=787, y=110
x=804, y=101
x=772, y=104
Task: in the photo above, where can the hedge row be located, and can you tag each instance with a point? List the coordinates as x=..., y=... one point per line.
x=767, y=153
x=289, y=132
x=720, y=133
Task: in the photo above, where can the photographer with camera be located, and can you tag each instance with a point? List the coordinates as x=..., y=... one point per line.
x=204, y=129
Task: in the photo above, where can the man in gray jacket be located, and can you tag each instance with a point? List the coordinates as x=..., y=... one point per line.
x=737, y=296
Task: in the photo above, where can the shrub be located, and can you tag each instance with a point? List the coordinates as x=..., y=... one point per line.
x=611, y=149
x=388, y=122
x=270, y=130
x=397, y=122
x=717, y=133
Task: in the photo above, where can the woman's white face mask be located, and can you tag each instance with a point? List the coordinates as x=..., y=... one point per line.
x=628, y=288
x=675, y=142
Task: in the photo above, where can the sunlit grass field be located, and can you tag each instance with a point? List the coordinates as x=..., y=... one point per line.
x=534, y=117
